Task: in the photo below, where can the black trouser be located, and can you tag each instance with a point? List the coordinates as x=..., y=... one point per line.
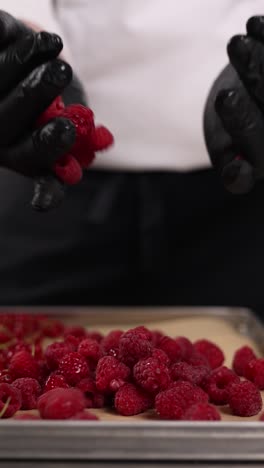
x=128, y=238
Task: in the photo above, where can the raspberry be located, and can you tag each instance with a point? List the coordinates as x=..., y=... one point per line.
x=54, y=353
x=68, y=169
x=151, y=374
x=186, y=347
x=171, y=348
x=217, y=385
x=244, y=399
x=197, y=359
x=72, y=342
x=157, y=335
x=161, y=356
x=130, y=400
x=78, y=332
x=186, y=372
x=26, y=417
x=101, y=138
x=55, y=381
x=173, y=402
x=90, y=349
x=53, y=111
x=74, y=368
x=110, y=343
x=10, y=400
x=94, y=399
x=30, y=391
x=52, y=328
x=85, y=415
x=211, y=351
x=254, y=371
x=5, y=377
x=61, y=403
x=202, y=412
x=95, y=335
x=135, y=344
x=168, y=406
x=241, y=358
x=110, y=374
x=23, y=364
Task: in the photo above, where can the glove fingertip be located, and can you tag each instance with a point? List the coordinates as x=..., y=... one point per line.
x=48, y=194
x=238, y=177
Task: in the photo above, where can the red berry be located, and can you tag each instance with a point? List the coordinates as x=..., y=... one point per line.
x=30, y=391
x=78, y=332
x=135, y=344
x=157, y=335
x=241, y=358
x=186, y=347
x=171, y=348
x=55, y=381
x=74, y=368
x=244, y=399
x=52, y=328
x=173, y=402
x=95, y=335
x=90, y=349
x=151, y=374
x=202, y=412
x=211, y=351
x=217, y=385
x=110, y=374
x=26, y=417
x=54, y=353
x=161, y=356
x=54, y=110
x=110, y=343
x=197, y=359
x=68, y=169
x=94, y=399
x=85, y=415
x=61, y=403
x=23, y=364
x=101, y=138
x=254, y=371
x=130, y=400
x=193, y=374
x=10, y=400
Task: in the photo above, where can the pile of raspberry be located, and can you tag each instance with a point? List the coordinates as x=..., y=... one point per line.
x=63, y=372
x=90, y=139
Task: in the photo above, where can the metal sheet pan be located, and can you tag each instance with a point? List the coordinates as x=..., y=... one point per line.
x=141, y=440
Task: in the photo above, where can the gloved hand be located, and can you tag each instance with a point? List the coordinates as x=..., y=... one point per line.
x=234, y=113
x=31, y=77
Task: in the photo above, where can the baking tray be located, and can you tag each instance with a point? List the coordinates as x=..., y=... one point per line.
x=143, y=439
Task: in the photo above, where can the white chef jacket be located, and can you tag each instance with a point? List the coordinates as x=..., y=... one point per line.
x=147, y=67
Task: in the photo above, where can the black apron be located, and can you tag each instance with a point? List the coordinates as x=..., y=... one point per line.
x=133, y=238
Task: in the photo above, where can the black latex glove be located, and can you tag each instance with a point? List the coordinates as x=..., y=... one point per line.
x=31, y=77
x=234, y=114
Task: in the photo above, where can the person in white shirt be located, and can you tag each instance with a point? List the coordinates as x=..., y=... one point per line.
x=151, y=223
